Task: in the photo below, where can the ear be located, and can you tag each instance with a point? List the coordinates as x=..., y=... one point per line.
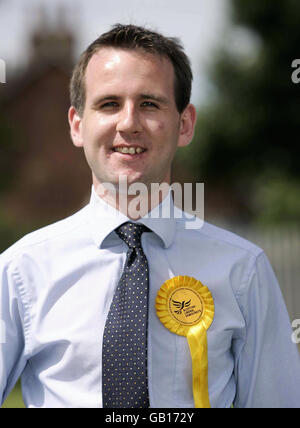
x=187, y=125
x=75, y=122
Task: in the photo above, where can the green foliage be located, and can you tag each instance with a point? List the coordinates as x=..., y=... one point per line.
x=251, y=128
x=14, y=400
x=10, y=231
x=277, y=199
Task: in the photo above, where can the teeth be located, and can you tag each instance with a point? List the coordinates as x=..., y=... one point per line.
x=124, y=150
x=130, y=150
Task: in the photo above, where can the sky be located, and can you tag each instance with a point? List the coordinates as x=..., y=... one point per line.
x=200, y=24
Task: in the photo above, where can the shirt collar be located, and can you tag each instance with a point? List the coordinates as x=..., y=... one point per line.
x=105, y=219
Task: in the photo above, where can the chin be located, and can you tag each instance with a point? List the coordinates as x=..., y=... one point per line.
x=130, y=178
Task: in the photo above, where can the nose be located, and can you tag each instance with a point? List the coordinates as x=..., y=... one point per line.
x=129, y=120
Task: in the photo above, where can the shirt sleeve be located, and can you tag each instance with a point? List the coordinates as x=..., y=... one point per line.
x=267, y=363
x=12, y=327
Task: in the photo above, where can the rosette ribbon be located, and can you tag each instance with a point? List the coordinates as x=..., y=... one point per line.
x=186, y=307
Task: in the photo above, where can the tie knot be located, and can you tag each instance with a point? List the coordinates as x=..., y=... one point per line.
x=131, y=233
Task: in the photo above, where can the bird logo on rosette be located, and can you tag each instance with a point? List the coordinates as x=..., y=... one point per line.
x=180, y=305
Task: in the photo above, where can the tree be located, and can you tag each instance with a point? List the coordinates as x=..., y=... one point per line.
x=246, y=139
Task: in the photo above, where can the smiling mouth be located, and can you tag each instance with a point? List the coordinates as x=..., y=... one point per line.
x=129, y=150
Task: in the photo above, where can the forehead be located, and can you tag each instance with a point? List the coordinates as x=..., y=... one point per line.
x=120, y=67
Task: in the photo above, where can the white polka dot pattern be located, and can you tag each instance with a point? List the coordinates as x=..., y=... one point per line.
x=124, y=356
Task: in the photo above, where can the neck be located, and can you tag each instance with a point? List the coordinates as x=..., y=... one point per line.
x=135, y=200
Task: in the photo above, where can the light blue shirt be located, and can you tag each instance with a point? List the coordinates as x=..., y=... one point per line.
x=57, y=284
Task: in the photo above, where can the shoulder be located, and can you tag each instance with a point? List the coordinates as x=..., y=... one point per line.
x=210, y=234
x=228, y=238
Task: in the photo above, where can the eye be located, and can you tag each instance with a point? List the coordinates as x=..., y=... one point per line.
x=149, y=104
x=109, y=104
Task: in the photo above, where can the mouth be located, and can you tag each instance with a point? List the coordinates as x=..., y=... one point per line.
x=129, y=150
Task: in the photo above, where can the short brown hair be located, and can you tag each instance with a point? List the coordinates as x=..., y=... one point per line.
x=133, y=37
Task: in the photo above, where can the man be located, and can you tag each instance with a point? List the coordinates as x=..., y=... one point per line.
x=86, y=304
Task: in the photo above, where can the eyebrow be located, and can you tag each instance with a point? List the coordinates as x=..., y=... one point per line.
x=100, y=100
x=159, y=99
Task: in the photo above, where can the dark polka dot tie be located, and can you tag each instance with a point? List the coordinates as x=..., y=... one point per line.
x=124, y=354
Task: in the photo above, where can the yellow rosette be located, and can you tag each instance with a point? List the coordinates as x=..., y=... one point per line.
x=186, y=307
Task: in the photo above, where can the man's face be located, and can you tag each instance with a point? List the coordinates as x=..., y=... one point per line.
x=130, y=107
